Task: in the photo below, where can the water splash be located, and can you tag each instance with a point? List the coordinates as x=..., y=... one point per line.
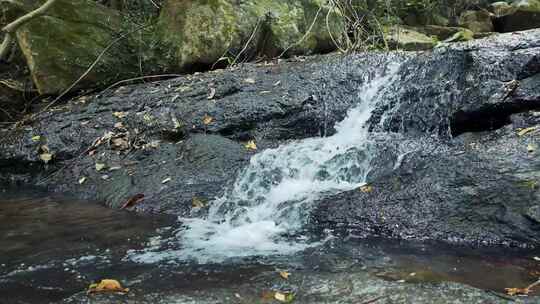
x=268, y=204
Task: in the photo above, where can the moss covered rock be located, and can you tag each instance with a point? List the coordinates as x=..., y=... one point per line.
x=446, y=33
x=60, y=46
x=476, y=21
x=525, y=15
x=200, y=32
x=408, y=39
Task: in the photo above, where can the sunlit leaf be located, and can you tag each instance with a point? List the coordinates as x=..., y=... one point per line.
x=120, y=115
x=250, y=145
x=366, y=189
x=46, y=157
x=168, y=179
x=82, y=180
x=36, y=138
x=107, y=285
x=100, y=166
x=525, y=131
x=284, y=297
x=207, y=119
x=284, y=274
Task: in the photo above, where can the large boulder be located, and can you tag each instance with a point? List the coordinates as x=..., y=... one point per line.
x=476, y=21
x=202, y=32
x=60, y=46
x=408, y=39
x=524, y=15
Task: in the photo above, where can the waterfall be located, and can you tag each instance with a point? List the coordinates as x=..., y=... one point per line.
x=269, y=203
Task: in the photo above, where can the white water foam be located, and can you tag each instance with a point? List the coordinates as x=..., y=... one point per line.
x=270, y=200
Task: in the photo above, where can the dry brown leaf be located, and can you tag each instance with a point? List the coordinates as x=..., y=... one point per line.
x=107, y=285
x=517, y=291
x=284, y=274
x=197, y=203
x=133, y=200
x=120, y=143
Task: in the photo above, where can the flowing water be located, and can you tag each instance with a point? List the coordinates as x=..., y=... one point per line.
x=53, y=247
x=270, y=200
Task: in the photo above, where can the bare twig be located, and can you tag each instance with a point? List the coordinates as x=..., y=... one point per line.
x=248, y=42
x=12, y=27
x=140, y=78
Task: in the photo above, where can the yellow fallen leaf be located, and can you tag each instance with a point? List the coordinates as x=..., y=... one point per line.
x=517, y=291
x=366, y=189
x=120, y=115
x=284, y=274
x=284, y=297
x=207, y=119
x=250, y=145
x=525, y=131
x=100, y=166
x=197, y=203
x=36, y=138
x=45, y=157
x=107, y=285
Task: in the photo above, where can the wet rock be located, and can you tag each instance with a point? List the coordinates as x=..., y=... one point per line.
x=452, y=157
x=326, y=287
x=447, y=34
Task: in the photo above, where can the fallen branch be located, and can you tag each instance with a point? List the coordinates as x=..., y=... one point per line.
x=12, y=27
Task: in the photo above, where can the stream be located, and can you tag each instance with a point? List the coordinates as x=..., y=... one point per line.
x=52, y=247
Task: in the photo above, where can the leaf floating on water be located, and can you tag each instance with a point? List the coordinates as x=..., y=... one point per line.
x=107, y=285
x=212, y=93
x=207, y=119
x=168, y=179
x=46, y=157
x=284, y=274
x=137, y=198
x=100, y=166
x=517, y=291
x=82, y=180
x=366, y=189
x=284, y=297
x=120, y=115
x=525, y=131
x=197, y=203
x=250, y=145
x=36, y=138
